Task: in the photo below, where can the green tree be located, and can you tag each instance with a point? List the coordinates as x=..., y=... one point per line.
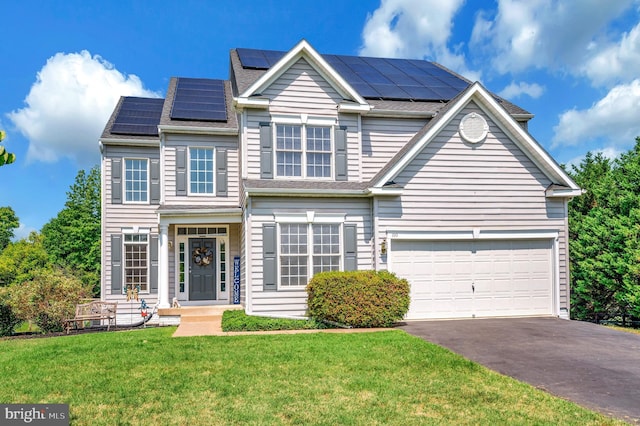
x=605, y=238
x=19, y=261
x=72, y=238
x=5, y=156
x=8, y=223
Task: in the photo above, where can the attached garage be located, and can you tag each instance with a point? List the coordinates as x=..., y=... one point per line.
x=477, y=278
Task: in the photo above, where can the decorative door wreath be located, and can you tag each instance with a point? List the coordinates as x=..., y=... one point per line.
x=202, y=256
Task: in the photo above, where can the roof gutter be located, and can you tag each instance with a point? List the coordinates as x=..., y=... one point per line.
x=168, y=128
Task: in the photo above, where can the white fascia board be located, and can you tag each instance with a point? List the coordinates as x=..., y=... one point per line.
x=386, y=191
x=304, y=50
x=475, y=234
x=563, y=192
x=166, y=128
x=139, y=142
x=250, y=102
x=348, y=107
x=199, y=216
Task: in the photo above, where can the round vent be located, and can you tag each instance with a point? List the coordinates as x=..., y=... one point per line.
x=473, y=128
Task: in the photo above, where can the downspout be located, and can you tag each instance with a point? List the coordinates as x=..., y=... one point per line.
x=103, y=236
x=247, y=255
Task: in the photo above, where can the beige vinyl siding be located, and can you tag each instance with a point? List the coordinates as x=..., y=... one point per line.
x=119, y=216
x=293, y=302
x=455, y=186
x=230, y=143
x=301, y=90
x=382, y=138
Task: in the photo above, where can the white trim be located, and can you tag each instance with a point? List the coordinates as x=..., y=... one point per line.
x=563, y=192
x=195, y=217
x=129, y=142
x=393, y=191
x=214, y=177
x=277, y=192
x=135, y=230
x=123, y=181
x=243, y=102
x=165, y=128
x=162, y=168
x=475, y=234
x=247, y=256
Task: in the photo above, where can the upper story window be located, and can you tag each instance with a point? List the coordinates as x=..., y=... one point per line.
x=303, y=151
x=136, y=180
x=201, y=170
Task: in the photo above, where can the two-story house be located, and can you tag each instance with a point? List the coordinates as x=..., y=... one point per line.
x=239, y=190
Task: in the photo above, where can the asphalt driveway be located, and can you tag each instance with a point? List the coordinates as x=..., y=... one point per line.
x=589, y=364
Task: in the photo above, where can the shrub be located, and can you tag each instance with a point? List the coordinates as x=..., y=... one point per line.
x=358, y=298
x=8, y=319
x=239, y=321
x=48, y=298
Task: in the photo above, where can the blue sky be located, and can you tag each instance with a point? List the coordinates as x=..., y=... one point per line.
x=64, y=65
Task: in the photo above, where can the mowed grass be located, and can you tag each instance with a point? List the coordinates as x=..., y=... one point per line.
x=379, y=378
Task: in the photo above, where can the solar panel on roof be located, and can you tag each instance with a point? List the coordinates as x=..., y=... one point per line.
x=199, y=99
x=378, y=78
x=138, y=116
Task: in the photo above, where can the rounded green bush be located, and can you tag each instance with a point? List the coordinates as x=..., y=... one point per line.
x=358, y=298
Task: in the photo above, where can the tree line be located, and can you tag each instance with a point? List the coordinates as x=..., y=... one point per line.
x=43, y=276
x=604, y=232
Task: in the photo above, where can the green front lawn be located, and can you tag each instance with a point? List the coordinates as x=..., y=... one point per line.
x=380, y=378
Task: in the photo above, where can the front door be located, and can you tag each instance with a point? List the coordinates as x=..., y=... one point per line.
x=202, y=269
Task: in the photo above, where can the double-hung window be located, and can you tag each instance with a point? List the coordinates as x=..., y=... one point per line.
x=136, y=264
x=201, y=170
x=306, y=248
x=303, y=151
x=136, y=180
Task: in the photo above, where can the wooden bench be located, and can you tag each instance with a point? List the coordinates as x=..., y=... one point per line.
x=93, y=311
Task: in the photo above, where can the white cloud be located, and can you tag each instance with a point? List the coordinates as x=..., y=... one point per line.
x=69, y=104
x=556, y=34
x=613, y=118
x=615, y=62
x=515, y=90
x=22, y=232
x=415, y=29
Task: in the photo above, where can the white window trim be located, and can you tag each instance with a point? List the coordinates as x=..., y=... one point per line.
x=131, y=231
x=304, y=120
x=124, y=181
x=309, y=218
x=213, y=164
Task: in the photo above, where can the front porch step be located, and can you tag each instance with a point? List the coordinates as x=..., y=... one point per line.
x=197, y=310
x=198, y=320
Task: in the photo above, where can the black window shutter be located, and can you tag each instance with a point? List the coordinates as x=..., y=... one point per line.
x=153, y=258
x=155, y=181
x=350, y=247
x=116, y=263
x=116, y=181
x=181, y=171
x=341, y=153
x=266, y=151
x=269, y=258
x=221, y=172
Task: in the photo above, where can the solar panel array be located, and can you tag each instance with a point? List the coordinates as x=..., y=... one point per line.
x=199, y=99
x=378, y=78
x=138, y=116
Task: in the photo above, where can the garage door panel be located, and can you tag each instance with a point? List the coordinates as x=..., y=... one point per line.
x=509, y=277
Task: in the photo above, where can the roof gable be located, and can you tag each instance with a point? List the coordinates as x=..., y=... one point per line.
x=302, y=50
x=502, y=119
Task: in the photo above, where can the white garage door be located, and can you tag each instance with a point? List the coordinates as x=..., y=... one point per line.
x=466, y=279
